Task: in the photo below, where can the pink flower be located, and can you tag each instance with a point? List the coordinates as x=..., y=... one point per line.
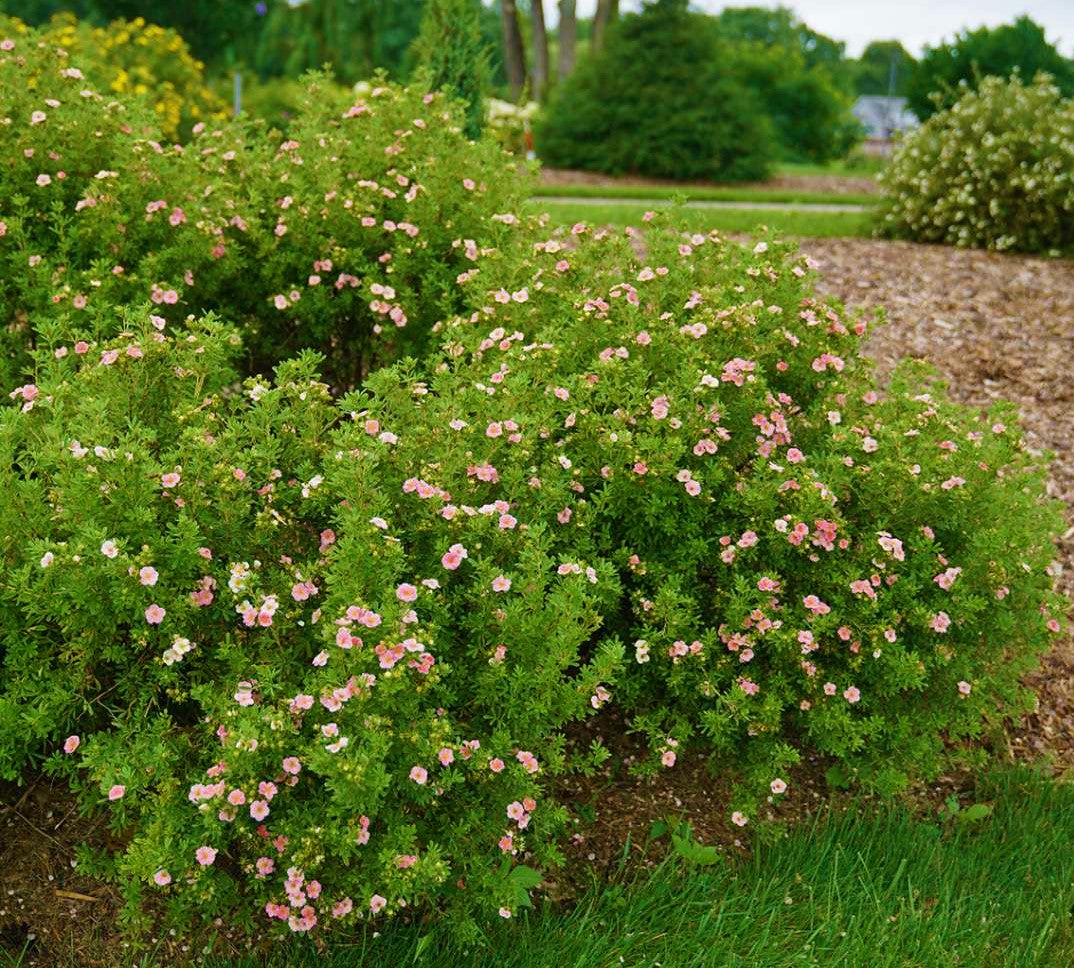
x=109, y=549
x=71, y=744
x=446, y=756
x=505, y=912
x=147, y=575
x=406, y=593
x=941, y=622
x=205, y=855
x=964, y=687
x=778, y=785
x=496, y=765
x=668, y=758
x=829, y=689
x=259, y=810
x=162, y=878
x=292, y=765
x=851, y=694
x=170, y=480
x=377, y=903
x=116, y=792
x=739, y=819
x=419, y=775
x=501, y=583
x=154, y=615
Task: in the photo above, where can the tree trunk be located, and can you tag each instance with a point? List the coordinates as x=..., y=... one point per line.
x=607, y=12
x=513, y=52
x=568, y=36
x=540, y=50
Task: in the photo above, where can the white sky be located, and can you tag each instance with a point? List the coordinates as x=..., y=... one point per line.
x=914, y=22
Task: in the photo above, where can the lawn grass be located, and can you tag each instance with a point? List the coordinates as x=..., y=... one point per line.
x=703, y=194
x=863, y=167
x=790, y=222
x=850, y=890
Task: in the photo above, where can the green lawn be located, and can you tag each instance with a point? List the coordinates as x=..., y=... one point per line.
x=859, y=168
x=700, y=194
x=789, y=222
x=883, y=891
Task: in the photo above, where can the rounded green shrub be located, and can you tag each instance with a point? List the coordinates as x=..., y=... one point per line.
x=65, y=148
x=300, y=704
x=808, y=563
x=345, y=235
x=658, y=99
x=319, y=659
x=992, y=171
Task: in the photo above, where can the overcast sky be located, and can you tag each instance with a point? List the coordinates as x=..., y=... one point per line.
x=914, y=22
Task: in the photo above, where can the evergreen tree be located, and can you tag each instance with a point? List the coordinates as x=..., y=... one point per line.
x=452, y=56
x=657, y=99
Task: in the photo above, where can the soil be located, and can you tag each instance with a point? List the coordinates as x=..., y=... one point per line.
x=996, y=326
x=831, y=184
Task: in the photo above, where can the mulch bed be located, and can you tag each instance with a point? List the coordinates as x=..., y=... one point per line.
x=995, y=326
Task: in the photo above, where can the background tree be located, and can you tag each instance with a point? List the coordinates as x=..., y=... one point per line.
x=514, y=52
x=607, y=13
x=354, y=37
x=450, y=52
x=987, y=51
x=884, y=68
x=657, y=99
x=567, y=31
x=540, y=50
x=809, y=110
x=779, y=27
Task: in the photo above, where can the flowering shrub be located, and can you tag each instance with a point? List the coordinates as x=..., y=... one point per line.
x=305, y=704
x=806, y=562
x=992, y=171
x=65, y=149
x=510, y=123
x=135, y=59
x=346, y=235
x=318, y=659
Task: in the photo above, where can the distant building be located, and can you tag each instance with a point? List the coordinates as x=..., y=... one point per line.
x=883, y=118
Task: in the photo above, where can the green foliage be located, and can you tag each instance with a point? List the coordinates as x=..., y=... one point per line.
x=277, y=677
x=346, y=234
x=354, y=38
x=210, y=27
x=992, y=171
x=452, y=56
x=810, y=112
x=944, y=71
x=655, y=100
x=780, y=28
x=882, y=62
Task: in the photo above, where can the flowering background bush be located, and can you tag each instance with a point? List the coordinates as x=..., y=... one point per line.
x=346, y=234
x=134, y=60
x=991, y=171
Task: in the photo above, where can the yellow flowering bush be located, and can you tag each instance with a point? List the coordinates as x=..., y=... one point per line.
x=135, y=58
